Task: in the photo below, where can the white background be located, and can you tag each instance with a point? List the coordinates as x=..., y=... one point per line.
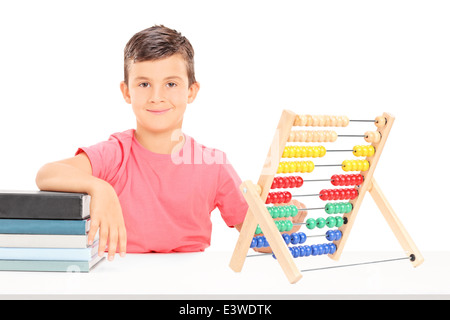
x=61, y=64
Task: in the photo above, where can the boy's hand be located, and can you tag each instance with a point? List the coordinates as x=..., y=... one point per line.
x=299, y=218
x=107, y=218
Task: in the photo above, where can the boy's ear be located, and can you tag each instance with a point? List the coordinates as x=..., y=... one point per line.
x=125, y=92
x=193, y=90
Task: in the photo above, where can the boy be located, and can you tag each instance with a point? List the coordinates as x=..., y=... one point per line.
x=153, y=188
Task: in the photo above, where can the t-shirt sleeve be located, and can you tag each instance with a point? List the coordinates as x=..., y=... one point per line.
x=229, y=198
x=106, y=159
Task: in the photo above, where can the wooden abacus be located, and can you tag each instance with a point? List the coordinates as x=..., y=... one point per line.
x=261, y=218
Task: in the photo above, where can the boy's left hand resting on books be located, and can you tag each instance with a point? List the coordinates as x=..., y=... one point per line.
x=75, y=175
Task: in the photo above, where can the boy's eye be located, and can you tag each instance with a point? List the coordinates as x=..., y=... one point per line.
x=144, y=85
x=171, y=84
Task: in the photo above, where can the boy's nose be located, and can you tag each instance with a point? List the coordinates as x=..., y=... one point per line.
x=156, y=96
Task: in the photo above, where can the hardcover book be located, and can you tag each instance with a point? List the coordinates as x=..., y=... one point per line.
x=44, y=205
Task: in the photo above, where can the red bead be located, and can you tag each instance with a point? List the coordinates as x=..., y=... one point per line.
x=274, y=197
x=274, y=183
x=354, y=194
x=331, y=194
x=280, y=197
x=347, y=180
x=299, y=181
x=341, y=195
x=348, y=194
x=269, y=198
x=287, y=196
x=324, y=195
x=359, y=179
x=353, y=179
x=335, y=180
x=292, y=182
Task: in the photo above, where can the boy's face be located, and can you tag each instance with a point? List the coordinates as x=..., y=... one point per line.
x=159, y=93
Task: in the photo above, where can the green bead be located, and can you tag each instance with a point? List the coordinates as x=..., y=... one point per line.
x=282, y=224
x=282, y=211
x=277, y=224
x=294, y=211
x=269, y=209
x=258, y=230
x=339, y=221
x=330, y=208
x=289, y=225
x=311, y=223
x=331, y=222
x=349, y=207
x=320, y=223
x=275, y=212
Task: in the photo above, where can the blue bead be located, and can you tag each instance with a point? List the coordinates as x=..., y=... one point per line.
x=330, y=235
x=320, y=249
x=259, y=242
x=273, y=256
x=266, y=243
x=307, y=251
x=338, y=234
x=295, y=252
x=326, y=248
x=253, y=244
x=302, y=237
x=287, y=238
x=332, y=248
x=295, y=238
x=314, y=250
x=302, y=251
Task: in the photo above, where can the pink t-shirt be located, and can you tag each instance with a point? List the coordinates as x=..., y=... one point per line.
x=167, y=199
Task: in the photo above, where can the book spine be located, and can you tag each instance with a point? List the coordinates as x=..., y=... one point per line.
x=49, y=266
x=48, y=254
x=43, y=241
x=44, y=205
x=32, y=226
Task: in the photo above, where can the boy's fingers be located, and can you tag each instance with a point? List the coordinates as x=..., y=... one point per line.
x=102, y=241
x=122, y=242
x=112, y=244
x=92, y=231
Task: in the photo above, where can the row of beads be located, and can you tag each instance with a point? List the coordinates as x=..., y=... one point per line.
x=312, y=136
x=304, y=152
x=279, y=197
x=355, y=165
x=282, y=211
x=338, y=194
x=321, y=121
x=295, y=166
x=338, y=207
x=330, y=222
x=347, y=179
x=308, y=166
x=294, y=238
x=315, y=250
x=287, y=182
x=282, y=226
x=363, y=151
x=327, y=136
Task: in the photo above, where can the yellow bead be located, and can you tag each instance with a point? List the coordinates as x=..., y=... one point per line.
x=366, y=165
x=310, y=166
x=280, y=168
x=285, y=167
x=285, y=152
x=356, y=165
x=357, y=150
x=323, y=151
x=371, y=151
x=292, y=167
x=315, y=152
x=302, y=152
x=347, y=165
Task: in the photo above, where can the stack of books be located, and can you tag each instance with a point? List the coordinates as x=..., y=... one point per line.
x=45, y=231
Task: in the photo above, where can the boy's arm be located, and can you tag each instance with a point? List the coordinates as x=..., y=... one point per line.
x=75, y=175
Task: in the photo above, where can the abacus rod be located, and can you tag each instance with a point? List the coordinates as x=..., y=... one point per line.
x=316, y=180
x=306, y=195
x=362, y=120
x=352, y=135
x=357, y=264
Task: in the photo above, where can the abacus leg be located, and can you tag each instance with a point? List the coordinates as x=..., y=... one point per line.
x=259, y=214
x=394, y=223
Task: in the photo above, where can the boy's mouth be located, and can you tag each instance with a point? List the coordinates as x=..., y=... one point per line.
x=160, y=111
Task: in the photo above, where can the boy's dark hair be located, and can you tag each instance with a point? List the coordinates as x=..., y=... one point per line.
x=158, y=42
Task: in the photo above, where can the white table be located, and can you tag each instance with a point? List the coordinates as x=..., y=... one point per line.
x=207, y=275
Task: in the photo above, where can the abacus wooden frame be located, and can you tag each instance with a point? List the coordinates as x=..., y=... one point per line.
x=256, y=195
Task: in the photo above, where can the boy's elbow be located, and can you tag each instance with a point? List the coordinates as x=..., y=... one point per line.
x=42, y=176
